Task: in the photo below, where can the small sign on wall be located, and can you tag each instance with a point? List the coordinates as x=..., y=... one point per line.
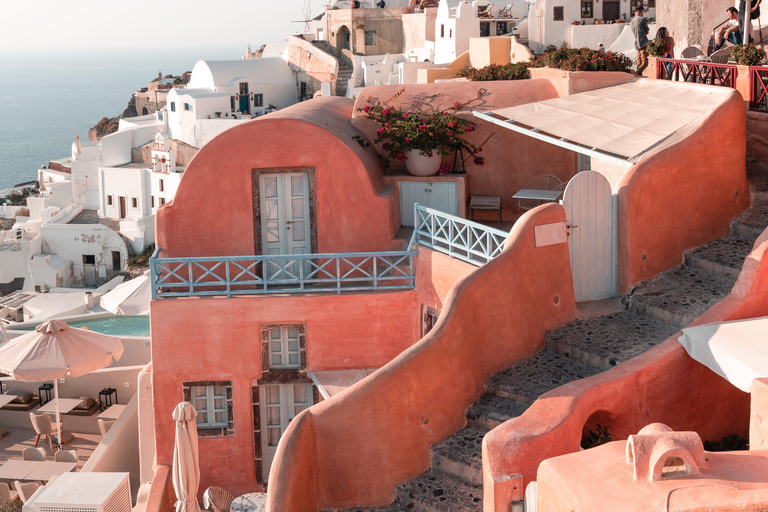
x=550, y=234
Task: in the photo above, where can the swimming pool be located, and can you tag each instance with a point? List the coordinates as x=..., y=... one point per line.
x=114, y=325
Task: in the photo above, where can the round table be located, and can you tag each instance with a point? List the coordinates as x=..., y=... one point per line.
x=251, y=502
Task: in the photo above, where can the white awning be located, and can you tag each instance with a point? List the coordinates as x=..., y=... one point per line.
x=620, y=124
x=331, y=383
x=737, y=351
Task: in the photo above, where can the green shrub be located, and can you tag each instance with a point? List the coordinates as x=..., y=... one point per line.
x=510, y=71
x=596, y=437
x=728, y=444
x=142, y=259
x=655, y=47
x=747, y=54
x=583, y=59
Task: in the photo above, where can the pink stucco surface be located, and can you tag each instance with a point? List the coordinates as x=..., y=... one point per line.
x=212, y=212
x=662, y=385
x=490, y=319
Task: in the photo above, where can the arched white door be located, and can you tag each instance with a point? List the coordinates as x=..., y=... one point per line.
x=590, y=211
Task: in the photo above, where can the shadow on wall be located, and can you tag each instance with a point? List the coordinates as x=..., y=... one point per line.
x=493, y=318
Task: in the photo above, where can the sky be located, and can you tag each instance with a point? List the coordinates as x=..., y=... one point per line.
x=57, y=26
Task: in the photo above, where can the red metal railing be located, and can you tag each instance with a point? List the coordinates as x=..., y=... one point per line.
x=711, y=73
x=758, y=89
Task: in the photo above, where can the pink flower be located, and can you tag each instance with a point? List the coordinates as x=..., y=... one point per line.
x=444, y=168
x=422, y=127
x=385, y=112
x=407, y=140
x=380, y=131
x=366, y=108
x=479, y=160
x=477, y=150
x=451, y=124
x=457, y=105
x=386, y=125
x=470, y=128
x=405, y=116
x=450, y=134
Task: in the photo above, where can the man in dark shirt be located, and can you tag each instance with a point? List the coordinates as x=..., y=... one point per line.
x=639, y=27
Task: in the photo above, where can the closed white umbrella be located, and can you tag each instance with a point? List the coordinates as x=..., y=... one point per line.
x=129, y=298
x=54, y=350
x=186, y=467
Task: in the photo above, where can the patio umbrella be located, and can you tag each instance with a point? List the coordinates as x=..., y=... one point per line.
x=186, y=468
x=54, y=350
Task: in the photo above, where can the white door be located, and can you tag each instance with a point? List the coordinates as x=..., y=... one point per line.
x=590, y=213
x=280, y=403
x=440, y=196
x=285, y=227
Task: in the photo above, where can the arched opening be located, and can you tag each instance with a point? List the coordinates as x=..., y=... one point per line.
x=343, y=38
x=144, y=111
x=600, y=428
x=360, y=38
x=674, y=466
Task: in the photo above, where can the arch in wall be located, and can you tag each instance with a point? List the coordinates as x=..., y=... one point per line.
x=343, y=38
x=144, y=111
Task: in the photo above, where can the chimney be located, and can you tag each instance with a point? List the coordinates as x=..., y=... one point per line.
x=89, y=302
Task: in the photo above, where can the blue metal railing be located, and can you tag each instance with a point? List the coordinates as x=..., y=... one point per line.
x=290, y=273
x=460, y=238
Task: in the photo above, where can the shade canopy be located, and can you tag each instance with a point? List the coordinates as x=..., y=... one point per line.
x=186, y=468
x=620, y=124
x=54, y=349
x=129, y=298
x=737, y=351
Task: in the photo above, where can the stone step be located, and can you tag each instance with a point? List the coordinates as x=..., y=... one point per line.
x=438, y=492
x=752, y=223
x=492, y=410
x=603, y=342
x=527, y=380
x=723, y=257
x=461, y=456
x=678, y=296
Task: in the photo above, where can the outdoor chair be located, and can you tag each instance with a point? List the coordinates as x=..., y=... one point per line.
x=691, y=53
x=721, y=56
x=43, y=427
x=104, y=426
x=543, y=182
x=485, y=11
x=561, y=188
x=5, y=493
x=30, y=453
x=505, y=12
x=217, y=499
x=65, y=456
x=25, y=490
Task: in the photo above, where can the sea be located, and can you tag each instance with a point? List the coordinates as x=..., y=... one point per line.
x=48, y=98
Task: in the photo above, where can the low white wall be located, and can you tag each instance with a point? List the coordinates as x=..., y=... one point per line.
x=590, y=36
x=141, y=232
x=116, y=149
x=146, y=426
x=117, y=452
x=9, y=212
x=13, y=264
x=57, y=194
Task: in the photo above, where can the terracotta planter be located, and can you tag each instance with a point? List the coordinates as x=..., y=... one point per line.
x=420, y=165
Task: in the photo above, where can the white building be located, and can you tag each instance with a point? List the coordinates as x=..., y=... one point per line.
x=459, y=20
x=580, y=24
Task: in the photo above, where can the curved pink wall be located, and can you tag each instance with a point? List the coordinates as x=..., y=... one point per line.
x=511, y=161
x=377, y=433
x=683, y=196
x=212, y=212
x=662, y=385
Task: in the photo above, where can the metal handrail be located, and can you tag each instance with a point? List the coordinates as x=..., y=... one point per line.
x=709, y=73
x=459, y=238
x=285, y=273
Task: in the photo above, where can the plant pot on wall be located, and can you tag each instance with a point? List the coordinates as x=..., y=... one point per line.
x=421, y=165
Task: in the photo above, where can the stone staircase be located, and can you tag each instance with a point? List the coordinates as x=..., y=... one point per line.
x=654, y=311
x=345, y=69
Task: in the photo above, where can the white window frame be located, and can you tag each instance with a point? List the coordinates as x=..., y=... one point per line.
x=284, y=351
x=210, y=406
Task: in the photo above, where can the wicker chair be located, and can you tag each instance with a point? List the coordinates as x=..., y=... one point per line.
x=691, y=53
x=37, y=454
x=5, y=493
x=43, y=427
x=25, y=490
x=217, y=499
x=65, y=456
x=544, y=182
x=721, y=56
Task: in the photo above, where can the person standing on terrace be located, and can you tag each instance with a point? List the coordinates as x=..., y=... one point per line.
x=662, y=34
x=639, y=27
x=730, y=31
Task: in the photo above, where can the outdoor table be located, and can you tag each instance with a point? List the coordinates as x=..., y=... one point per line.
x=252, y=502
x=65, y=405
x=541, y=195
x=5, y=399
x=34, y=469
x=112, y=412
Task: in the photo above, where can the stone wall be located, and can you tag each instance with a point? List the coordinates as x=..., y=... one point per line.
x=146, y=100
x=311, y=65
x=690, y=22
x=386, y=24
x=11, y=286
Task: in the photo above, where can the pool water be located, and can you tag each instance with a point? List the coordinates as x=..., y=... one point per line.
x=114, y=325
